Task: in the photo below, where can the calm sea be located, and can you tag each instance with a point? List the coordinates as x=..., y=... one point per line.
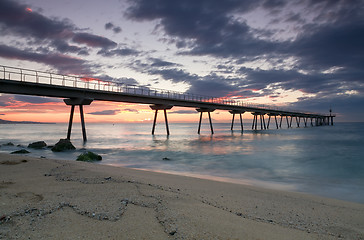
x=326, y=160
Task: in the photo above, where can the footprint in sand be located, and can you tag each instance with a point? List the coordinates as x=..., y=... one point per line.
x=29, y=196
x=5, y=184
x=13, y=162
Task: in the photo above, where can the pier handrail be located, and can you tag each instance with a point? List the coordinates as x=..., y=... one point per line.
x=92, y=83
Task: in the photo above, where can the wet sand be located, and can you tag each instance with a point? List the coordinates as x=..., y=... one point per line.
x=58, y=199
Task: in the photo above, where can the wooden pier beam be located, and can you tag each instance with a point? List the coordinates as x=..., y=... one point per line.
x=201, y=111
x=157, y=107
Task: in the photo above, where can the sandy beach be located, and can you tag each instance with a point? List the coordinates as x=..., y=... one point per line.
x=57, y=199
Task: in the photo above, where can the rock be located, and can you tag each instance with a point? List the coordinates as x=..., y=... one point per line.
x=37, y=145
x=166, y=159
x=89, y=157
x=22, y=151
x=63, y=145
x=8, y=144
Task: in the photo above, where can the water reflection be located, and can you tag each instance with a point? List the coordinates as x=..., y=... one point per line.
x=317, y=159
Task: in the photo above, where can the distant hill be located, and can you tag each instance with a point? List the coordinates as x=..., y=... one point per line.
x=20, y=122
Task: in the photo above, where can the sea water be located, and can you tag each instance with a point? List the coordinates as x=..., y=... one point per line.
x=325, y=160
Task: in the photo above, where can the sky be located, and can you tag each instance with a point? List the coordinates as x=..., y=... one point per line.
x=306, y=55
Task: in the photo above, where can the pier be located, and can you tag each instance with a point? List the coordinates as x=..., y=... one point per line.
x=82, y=91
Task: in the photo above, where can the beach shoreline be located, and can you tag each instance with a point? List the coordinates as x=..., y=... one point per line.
x=43, y=198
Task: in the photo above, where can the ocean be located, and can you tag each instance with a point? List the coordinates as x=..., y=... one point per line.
x=326, y=161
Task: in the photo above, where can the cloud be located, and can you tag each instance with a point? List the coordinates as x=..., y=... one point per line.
x=324, y=42
x=118, y=52
x=156, y=62
x=105, y=112
x=35, y=100
x=15, y=19
x=63, y=46
x=183, y=112
x=111, y=26
x=93, y=40
x=131, y=110
x=206, y=26
x=63, y=63
x=123, y=80
x=52, y=37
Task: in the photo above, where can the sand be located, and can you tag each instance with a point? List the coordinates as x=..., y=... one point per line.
x=58, y=199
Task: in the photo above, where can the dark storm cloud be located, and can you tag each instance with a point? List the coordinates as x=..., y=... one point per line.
x=36, y=100
x=50, y=37
x=118, y=52
x=15, y=19
x=63, y=46
x=63, y=63
x=175, y=75
x=328, y=50
x=156, y=62
x=213, y=85
x=111, y=26
x=206, y=24
x=93, y=40
x=105, y=112
x=335, y=45
x=123, y=80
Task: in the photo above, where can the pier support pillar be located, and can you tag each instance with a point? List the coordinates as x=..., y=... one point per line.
x=233, y=112
x=280, y=123
x=305, y=120
x=298, y=119
x=80, y=102
x=157, y=107
x=290, y=123
x=201, y=111
x=255, y=120
x=275, y=117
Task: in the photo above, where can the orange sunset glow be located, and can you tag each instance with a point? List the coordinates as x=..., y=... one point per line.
x=107, y=112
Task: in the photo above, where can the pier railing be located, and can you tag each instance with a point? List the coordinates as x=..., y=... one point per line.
x=33, y=76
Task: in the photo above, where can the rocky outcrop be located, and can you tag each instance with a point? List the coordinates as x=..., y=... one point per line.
x=63, y=145
x=89, y=157
x=37, y=145
x=22, y=151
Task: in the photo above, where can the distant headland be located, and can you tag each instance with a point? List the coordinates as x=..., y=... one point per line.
x=21, y=122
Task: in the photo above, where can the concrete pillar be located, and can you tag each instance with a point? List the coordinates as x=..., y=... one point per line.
x=80, y=102
x=201, y=111
x=157, y=107
x=233, y=112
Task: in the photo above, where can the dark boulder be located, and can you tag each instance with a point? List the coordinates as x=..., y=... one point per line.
x=8, y=144
x=37, y=145
x=89, y=157
x=22, y=151
x=63, y=145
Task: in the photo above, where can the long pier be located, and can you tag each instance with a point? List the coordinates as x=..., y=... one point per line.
x=81, y=91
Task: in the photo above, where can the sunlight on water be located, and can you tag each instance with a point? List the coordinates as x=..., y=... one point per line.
x=324, y=160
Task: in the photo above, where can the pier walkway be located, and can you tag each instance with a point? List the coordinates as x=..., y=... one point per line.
x=78, y=90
